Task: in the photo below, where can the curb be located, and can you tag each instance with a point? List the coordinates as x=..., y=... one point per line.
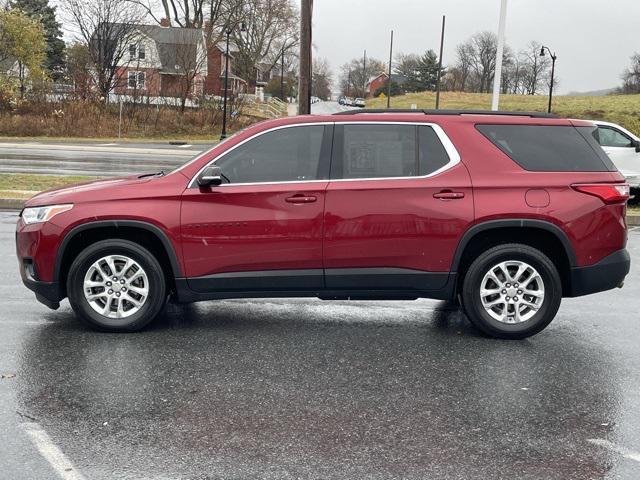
x=11, y=203
x=17, y=204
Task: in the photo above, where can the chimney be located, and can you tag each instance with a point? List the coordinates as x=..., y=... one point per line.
x=165, y=22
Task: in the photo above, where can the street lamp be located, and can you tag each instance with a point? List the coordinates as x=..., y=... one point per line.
x=223, y=134
x=553, y=71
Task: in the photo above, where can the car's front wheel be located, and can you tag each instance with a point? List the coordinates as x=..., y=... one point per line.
x=511, y=291
x=116, y=285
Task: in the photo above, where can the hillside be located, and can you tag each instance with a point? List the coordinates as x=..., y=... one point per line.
x=622, y=109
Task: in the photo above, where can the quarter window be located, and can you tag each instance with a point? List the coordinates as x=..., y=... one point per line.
x=285, y=155
x=387, y=151
x=546, y=148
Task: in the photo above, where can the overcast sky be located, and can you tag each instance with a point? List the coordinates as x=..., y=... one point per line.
x=592, y=38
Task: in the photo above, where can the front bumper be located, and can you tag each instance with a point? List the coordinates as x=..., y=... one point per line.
x=47, y=293
x=608, y=273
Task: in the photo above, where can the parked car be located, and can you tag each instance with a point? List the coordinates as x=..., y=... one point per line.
x=623, y=147
x=342, y=100
x=507, y=213
x=359, y=102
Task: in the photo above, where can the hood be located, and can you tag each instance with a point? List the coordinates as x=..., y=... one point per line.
x=84, y=191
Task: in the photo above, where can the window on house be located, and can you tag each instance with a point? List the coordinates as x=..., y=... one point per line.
x=141, y=52
x=136, y=80
x=132, y=52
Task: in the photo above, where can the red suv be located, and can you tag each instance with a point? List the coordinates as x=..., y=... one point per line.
x=506, y=213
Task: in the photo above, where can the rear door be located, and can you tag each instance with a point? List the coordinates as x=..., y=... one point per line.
x=398, y=201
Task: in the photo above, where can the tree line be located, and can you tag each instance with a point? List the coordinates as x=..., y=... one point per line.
x=524, y=72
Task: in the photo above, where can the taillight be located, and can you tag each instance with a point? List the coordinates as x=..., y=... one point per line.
x=607, y=192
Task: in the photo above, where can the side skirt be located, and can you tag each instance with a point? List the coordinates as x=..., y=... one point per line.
x=349, y=284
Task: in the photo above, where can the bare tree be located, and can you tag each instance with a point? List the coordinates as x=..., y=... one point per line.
x=353, y=76
x=483, y=61
x=465, y=53
x=107, y=27
x=536, y=68
x=271, y=28
x=321, y=79
x=631, y=76
x=190, y=58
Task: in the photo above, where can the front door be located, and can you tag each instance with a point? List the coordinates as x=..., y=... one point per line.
x=397, y=204
x=262, y=229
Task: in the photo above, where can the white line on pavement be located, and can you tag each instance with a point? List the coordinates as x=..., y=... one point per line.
x=107, y=144
x=185, y=146
x=51, y=453
x=625, y=452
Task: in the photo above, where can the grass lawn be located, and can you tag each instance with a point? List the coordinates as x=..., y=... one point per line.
x=621, y=109
x=17, y=185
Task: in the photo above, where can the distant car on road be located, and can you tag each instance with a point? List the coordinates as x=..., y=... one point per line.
x=342, y=100
x=362, y=205
x=359, y=102
x=623, y=147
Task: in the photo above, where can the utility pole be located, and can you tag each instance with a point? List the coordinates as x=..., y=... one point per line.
x=223, y=135
x=389, y=78
x=497, y=78
x=440, y=65
x=282, y=76
x=364, y=74
x=304, y=82
x=553, y=72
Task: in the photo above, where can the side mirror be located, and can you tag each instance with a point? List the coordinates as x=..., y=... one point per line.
x=210, y=177
x=636, y=144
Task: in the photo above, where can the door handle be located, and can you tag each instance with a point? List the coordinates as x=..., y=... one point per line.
x=301, y=199
x=448, y=195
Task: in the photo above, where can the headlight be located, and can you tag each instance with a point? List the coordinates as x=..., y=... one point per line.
x=43, y=214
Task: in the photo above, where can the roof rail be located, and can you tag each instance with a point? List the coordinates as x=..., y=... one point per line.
x=448, y=112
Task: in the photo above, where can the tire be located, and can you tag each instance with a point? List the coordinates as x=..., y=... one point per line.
x=142, y=286
x=533, y=300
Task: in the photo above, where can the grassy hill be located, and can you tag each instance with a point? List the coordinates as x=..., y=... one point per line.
x=621, y=109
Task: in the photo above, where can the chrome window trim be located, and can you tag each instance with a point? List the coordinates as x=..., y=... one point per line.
x=452, y=152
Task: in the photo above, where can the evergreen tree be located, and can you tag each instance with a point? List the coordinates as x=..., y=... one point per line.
x=427, y=71
x=46, y=14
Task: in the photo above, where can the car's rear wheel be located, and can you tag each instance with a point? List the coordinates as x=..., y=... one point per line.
x=511, y=291
x=116, y=285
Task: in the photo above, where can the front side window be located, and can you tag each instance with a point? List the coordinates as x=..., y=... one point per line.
x=142, y=52
x=388, y=151
x=132, y=51
x=610, y=137
x=285, y=155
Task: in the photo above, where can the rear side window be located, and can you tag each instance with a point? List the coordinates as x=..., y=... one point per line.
x=544, y=148
x=387, y=151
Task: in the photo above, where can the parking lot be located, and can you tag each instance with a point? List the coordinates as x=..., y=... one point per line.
x=308, y=389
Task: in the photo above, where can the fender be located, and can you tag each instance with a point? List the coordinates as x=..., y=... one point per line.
x=513, y=222
x=166, y=243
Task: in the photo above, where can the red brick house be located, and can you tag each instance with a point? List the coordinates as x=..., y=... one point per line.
x=375, y=83
x=164, y=61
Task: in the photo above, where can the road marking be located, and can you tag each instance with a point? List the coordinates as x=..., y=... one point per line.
x=107, y=144
x=185, y=146
x=625, y=452
x=51, y=453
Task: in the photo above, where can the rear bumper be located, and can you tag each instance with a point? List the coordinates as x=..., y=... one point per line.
x=608, y=273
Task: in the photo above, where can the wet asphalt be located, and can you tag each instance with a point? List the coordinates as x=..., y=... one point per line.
x=305, y=389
